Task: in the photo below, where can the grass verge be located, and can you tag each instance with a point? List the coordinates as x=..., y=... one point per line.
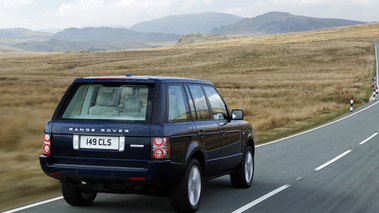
x=265, y=136
x=26, y=186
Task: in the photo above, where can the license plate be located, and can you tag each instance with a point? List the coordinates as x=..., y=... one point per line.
x=99, y=142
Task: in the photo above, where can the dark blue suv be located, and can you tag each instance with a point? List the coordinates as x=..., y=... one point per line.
x=160, y=136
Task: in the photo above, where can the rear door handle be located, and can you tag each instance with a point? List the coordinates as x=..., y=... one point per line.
x=201, y=133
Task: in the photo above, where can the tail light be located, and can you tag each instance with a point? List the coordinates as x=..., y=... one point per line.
x=46, y=144
x=160, y=148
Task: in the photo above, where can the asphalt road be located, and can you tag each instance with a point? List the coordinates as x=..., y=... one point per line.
x=332, y=168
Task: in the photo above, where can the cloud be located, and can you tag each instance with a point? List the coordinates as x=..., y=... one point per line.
x=16, y=3
x=14, y=13
x=320, y=2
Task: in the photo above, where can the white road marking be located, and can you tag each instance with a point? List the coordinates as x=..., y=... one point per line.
x=314, y=129
x=34, y=205
x=332, y=161
x=264, y=197
x=369, y=138
x=343, y=154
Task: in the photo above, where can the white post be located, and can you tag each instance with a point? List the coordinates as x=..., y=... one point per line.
x=351, y=104
x=377, y=61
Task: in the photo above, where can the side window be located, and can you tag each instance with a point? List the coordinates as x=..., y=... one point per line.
x=218, y=106
x=177, y=110
x=192, y=107
x=201, y=106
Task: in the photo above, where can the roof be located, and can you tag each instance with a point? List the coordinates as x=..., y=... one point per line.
x=142, y=79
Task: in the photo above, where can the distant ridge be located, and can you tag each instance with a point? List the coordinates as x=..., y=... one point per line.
x=22, y=33
x=54, y=45
x=280, y=22
x=107, y=34
x=188, y=23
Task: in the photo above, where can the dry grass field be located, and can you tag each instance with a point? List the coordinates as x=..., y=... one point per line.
x=284, y=83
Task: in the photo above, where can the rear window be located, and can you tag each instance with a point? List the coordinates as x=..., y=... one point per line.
x=108, y=102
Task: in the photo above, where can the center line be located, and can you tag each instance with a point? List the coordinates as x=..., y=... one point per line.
x=368, y=138
x=264, y=197
x=333, y=160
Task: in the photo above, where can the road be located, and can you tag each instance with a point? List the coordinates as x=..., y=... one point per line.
x=332, y=168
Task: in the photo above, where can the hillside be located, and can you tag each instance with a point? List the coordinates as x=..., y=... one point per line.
x=280, y=22
x=195, y=38
x=188, y=23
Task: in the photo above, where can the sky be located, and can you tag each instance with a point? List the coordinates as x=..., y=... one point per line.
x=61, y=14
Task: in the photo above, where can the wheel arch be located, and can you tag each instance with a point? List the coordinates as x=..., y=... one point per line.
x=195, y=151
x=249, y=140
x=251, y=143
x=198, y=155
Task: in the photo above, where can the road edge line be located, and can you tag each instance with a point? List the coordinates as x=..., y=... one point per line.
x=33, y=205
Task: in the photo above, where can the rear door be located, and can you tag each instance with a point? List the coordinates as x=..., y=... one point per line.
x=178, y=124
x=207, y=129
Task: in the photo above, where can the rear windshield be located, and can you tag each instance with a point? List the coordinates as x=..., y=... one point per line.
x=108, y=102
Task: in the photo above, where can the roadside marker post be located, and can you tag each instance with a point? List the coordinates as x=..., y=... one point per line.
x=351, y=104
x=377, y=63
x=373, y=95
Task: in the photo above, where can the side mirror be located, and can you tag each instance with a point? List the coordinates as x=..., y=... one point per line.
x=237, y=114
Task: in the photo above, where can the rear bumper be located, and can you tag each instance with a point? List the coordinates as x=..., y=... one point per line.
x=155, y=172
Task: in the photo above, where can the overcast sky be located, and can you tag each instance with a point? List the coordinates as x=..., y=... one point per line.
x=61, y=14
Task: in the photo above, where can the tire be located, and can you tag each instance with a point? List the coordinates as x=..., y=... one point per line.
x=76, y=196
x=186, y=195
x=242, y=177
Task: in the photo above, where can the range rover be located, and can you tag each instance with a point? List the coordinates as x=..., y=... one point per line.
x=149, y=135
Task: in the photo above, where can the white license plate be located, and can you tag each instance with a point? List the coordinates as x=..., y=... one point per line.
x=99, y=142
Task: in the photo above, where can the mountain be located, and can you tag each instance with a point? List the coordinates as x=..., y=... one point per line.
x=90, y=38
x=162, y=32
x=280, y=22
x=22, y=33
x=186, y=24
x=106, y=34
